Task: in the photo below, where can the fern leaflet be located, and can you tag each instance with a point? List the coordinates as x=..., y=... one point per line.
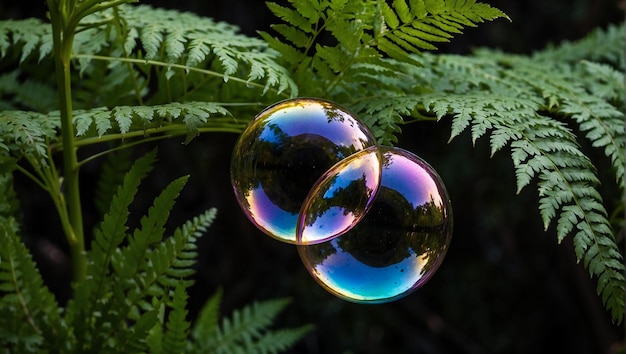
x=410, y=28
x=175, y=338
x=207, y=320
x=190, y=40
x=31, y=319
x=246, y=330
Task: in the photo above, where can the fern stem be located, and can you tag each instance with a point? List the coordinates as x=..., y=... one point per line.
x=33, y=178
x=63, y=26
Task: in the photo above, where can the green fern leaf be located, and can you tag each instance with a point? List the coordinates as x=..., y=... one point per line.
x=537, y=108
x=31, y=319
x=279, y=340
x=175, y=338
x=389, y=15
x=25, y=94
x=188, y=117
x=137, y=337
x=151, y=38
x=132, y=258
x=294, y=17
x=89, y=294
x=186, y=39
x=27, y=134
x=243, y=332
x=405, y=32
x=601, y=45
x=113, y=229
x=31, y=35
x=175, y=43
x=207, y=320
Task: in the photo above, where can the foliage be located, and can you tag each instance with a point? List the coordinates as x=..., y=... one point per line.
x=245, y=331
x=127, y=75
x=366, y=34
x=532, y=104
x=134, y=296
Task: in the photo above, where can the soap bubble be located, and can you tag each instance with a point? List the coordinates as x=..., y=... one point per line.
x=282, y=153
x=340, y=198
x=397, y=246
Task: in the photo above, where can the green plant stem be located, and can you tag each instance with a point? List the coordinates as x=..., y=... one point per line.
x=63, y=26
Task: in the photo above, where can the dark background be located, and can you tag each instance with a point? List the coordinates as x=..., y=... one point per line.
x=505, y=285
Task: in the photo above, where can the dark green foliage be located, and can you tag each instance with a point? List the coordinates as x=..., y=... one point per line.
x=515, y=102
x=134, y=296
x=140, y=74
x=31, y=318
x=529, y=103
x=366, y=34
x=246, y=331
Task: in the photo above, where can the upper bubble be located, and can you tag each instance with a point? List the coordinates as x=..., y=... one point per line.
x=281, y=154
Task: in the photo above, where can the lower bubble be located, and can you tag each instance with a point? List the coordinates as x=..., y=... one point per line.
x=397, y=245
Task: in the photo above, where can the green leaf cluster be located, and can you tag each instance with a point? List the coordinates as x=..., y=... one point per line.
x=134, y=297
x=342, y=49
x=245, y=331
x=139, y=74
x=545, y=111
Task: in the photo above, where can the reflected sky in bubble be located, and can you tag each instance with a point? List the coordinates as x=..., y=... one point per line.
x=340, y=198
x=399, y=243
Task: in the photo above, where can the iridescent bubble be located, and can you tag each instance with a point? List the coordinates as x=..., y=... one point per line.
x=282, y=153
x=340, y=198
x=397, y=246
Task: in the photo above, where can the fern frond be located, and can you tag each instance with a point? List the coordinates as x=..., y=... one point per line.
x=603, y=45
x=365, y=31
x=27, y=134
x=123, y=280
x=133, y=257
x=27, y=94
x=410, y=28
x=189, y=40
x=207, y=320
x=30, y=318
x=111, y=177
x=601, y=121
x=567, y=193
x=278, y=340
x=534, y=106
x=545, y=149
x=30, y=36
x=175, y=339
x=189, y=116
x=90, y=294
x=247, y=330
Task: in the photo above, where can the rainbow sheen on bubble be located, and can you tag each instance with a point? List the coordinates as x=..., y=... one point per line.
x=283, y=152
x=340, y=198
x=397, y=245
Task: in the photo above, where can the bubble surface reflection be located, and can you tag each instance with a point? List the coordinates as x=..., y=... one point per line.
x=340, y=198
